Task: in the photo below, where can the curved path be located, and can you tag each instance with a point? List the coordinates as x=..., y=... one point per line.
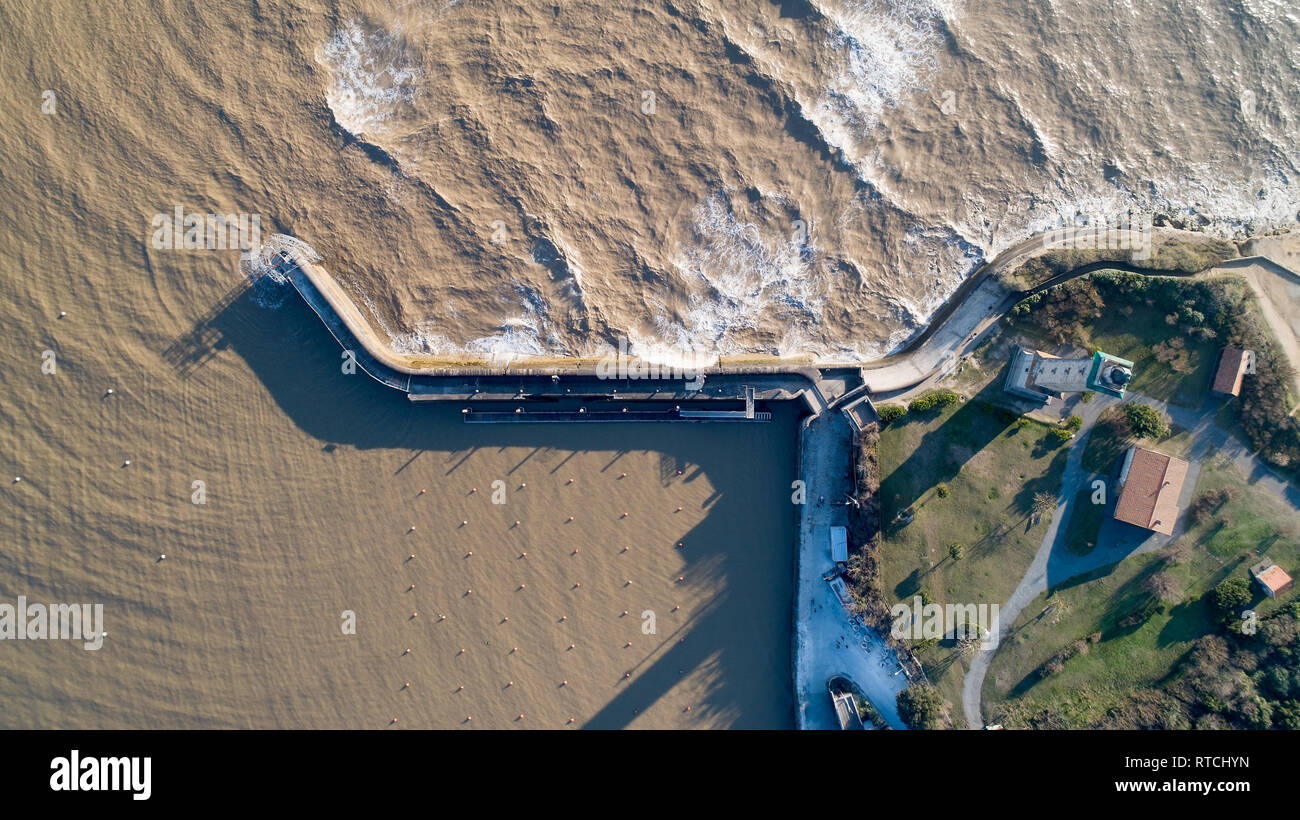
x=820, y=622
x=980, y=300
x=1055, y=563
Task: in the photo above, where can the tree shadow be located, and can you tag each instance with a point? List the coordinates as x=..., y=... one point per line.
x=974, y=424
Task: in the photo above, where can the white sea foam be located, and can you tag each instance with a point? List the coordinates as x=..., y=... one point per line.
x=883, y=53
x=740, y=279
x=374, y=82
x=527, y=332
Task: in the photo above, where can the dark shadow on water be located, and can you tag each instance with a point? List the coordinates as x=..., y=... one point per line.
x=747, y=654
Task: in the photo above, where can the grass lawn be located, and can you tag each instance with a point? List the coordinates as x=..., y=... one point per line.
x=1132, y=657
x=968, y=474
x=1132, y=332
x=1084, y=522
x=1134, y=337
x=1109, y=439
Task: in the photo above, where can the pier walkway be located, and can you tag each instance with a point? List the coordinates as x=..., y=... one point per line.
x=827, y=641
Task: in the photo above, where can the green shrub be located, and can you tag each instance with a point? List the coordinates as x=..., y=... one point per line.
x=922, y=707
x=933, y=400
x=942, y=491
x=890, y=412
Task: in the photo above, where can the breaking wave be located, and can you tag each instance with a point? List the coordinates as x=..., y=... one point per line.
x=374, y=81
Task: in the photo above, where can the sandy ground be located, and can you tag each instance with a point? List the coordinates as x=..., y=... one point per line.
x=1278, y=289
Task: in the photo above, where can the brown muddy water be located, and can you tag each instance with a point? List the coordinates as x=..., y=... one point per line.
x=313, y=481
x=492, y=180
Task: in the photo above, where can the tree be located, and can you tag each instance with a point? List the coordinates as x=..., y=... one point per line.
x=968, y=642
x=1145, y=421
x=1287, y=715
x=1164, y=587
x=1044, y=502
x=1231, y=596
x=956, y=551
x=922, y=707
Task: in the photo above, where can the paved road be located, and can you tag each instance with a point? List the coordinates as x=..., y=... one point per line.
x=1035, y=579
x=827, y=643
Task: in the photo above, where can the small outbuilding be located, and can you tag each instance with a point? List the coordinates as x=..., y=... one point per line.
x=1234, y=366
x=1272, y=578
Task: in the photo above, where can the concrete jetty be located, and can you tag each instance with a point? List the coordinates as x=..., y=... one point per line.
x=433, y=381
x=827, y=641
